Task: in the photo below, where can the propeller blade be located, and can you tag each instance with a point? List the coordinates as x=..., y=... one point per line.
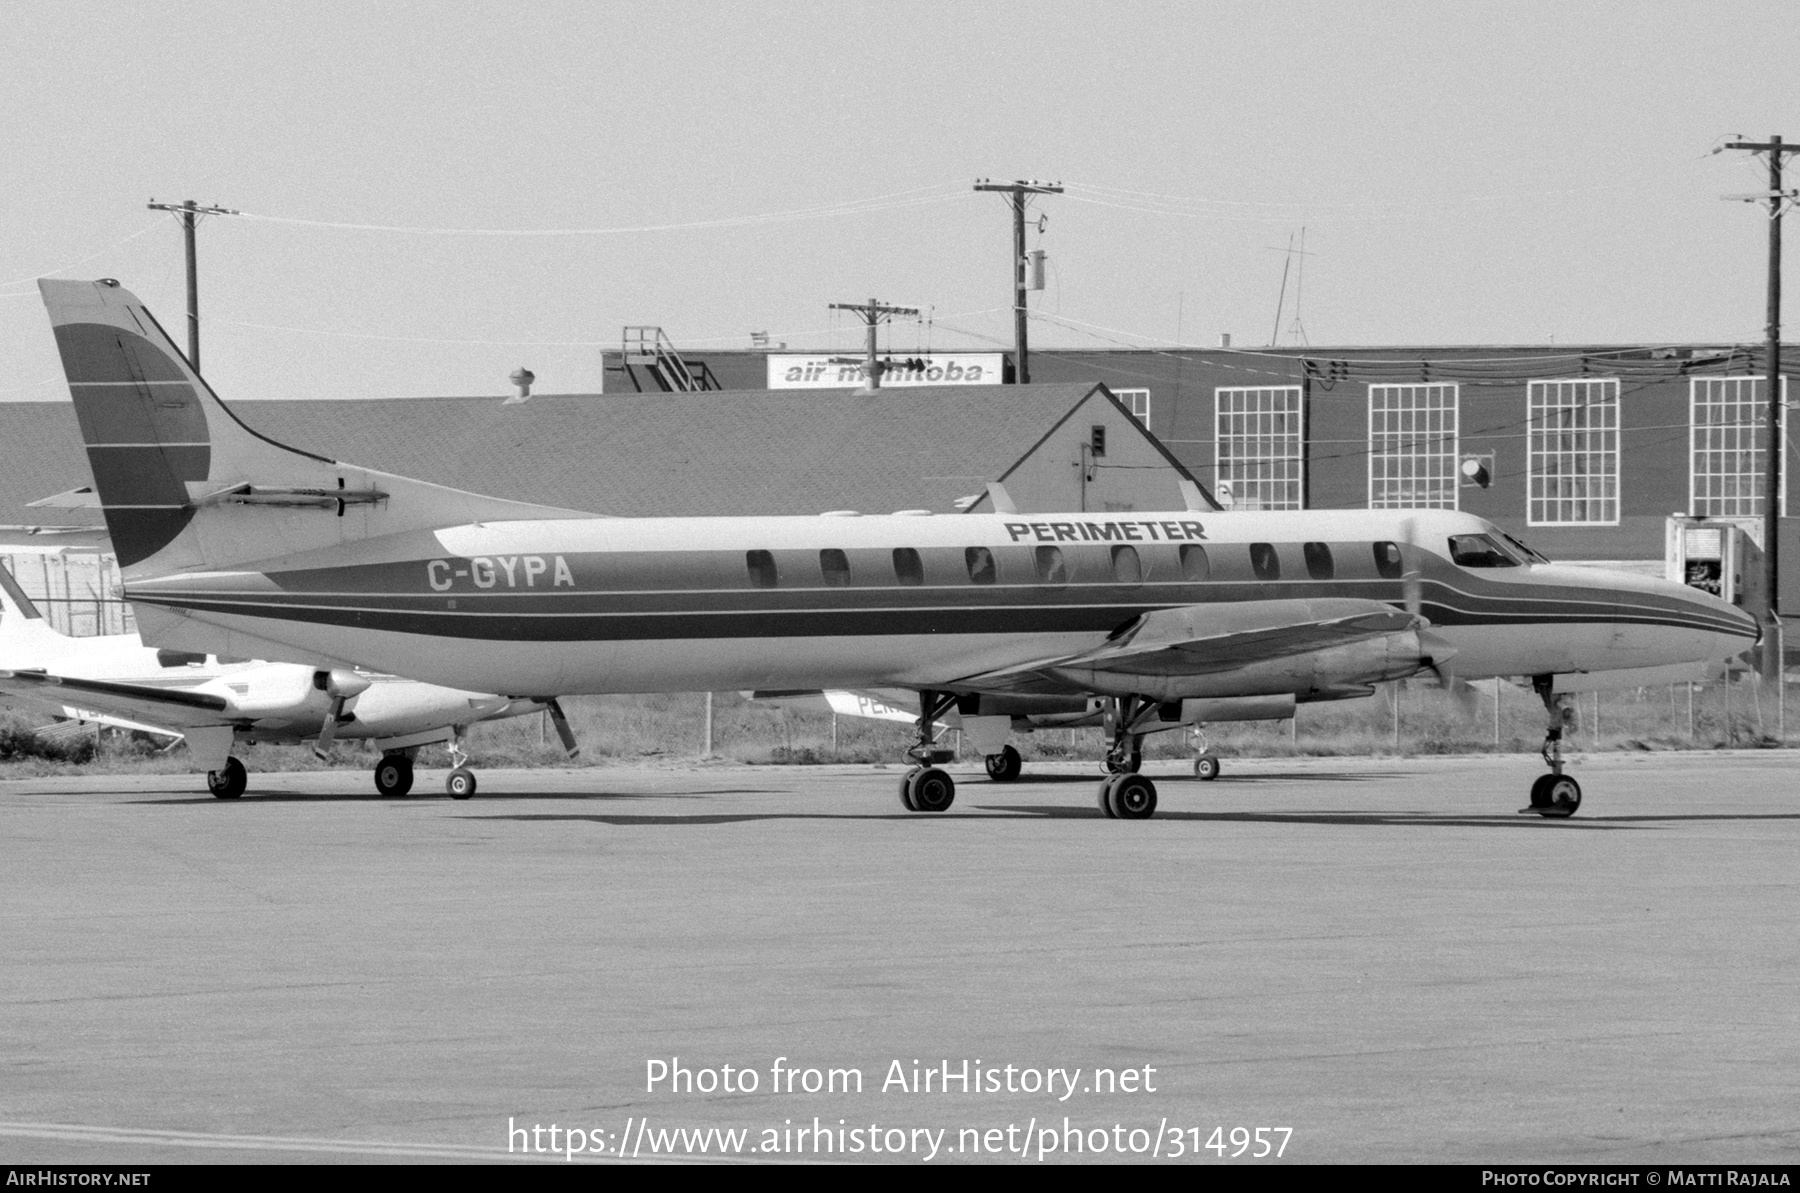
x=564, y=734
x=1409, y=579
x=328, y=730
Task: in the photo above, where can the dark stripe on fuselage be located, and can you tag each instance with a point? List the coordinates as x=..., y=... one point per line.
x=614, y=617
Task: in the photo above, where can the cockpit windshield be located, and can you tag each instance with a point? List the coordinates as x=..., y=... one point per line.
x=1480, y=551
x=1529, y=555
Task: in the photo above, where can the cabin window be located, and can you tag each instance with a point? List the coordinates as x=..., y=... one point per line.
x=1479, y=551
x=1388, y=563
x=907, y=568
x=1195, y=567
x=1264, y=562
x=1318, y=561
x=1126, y=568
x=981, y=565
x=761, y=566
x=1050, y=566
x=834, y=565
x=179, y=658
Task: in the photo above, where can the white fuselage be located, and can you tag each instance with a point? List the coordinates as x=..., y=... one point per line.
x=667, y=604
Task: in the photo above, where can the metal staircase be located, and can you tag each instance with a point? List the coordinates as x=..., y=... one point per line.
x=649, y=348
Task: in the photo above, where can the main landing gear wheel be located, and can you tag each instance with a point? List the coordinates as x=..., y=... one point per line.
x=1128, y=797
x=1555, y=796
x=229, y=781
x=394, y=775
x=1127, y=757
x=1005, y=766
x=927, y=789
x=1206, y=767
x=461, y=783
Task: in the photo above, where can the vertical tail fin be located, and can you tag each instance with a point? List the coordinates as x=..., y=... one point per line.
x=23, y=629
x=184, y=484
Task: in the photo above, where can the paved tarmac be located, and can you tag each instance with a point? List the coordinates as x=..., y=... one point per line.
x=1380, y=955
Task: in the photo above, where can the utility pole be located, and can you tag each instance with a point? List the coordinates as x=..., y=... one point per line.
x=190, y=213
x=1772, y=662
x=1015, y=193
x=874, y=314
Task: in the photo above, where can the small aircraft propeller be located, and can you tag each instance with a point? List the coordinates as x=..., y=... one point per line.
x=342, y=686
x=564, y=734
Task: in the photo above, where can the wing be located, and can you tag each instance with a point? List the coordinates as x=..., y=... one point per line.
x=175, y=707
x=1193, y=649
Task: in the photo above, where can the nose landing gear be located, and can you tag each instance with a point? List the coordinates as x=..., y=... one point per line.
x=1555, y=795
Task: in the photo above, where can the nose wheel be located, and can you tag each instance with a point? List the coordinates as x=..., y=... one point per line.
x=1554, y=796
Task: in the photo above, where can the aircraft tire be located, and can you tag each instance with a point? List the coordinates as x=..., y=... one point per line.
x=229, y=781
x=1206, y=767
x=1540, y=800
x=933, y=790
x=906, y=782
x=1562, y=796
x=393, y=775
x=1105, y=797
x=1132, y=797
x=461, y=783
x=1005, y=766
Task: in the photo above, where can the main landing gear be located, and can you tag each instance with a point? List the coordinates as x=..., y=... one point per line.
x=1005, y=766
x=1554, y=795
x=1124, y=794
x=926, y=788
x=229, y=781
x=394, y=774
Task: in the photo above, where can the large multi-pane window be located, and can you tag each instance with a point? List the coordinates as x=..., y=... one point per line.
x=1572, y=452
x=1137, y=401
x=1260, y=443
x=1726, y=461
x=1412, y=446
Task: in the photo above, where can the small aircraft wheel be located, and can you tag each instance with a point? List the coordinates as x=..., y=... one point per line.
x=1562, y=795
x=229, y=781
x=933, y=790
x=1005, y=766
x=1105, y=796
x=461, y=783
x=1540, y=798
x=1206, y=767
x=906, y=785
x=1133, y=797
x=394, y=775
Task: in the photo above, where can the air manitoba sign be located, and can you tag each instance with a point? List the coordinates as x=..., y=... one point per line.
x=837, y=372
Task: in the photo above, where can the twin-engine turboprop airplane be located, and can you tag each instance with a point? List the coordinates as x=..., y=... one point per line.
x=231, y=543
x=114, y=679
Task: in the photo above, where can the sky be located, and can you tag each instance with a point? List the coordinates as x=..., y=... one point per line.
x=437, y=194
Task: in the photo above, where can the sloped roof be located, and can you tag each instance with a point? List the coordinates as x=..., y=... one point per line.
x=747, y=452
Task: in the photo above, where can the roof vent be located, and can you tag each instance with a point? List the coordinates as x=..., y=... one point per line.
x=521, y=377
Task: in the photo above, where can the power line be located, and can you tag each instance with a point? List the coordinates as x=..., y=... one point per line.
x=190, y=213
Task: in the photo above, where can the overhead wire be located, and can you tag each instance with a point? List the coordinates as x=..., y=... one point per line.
x=918, y=196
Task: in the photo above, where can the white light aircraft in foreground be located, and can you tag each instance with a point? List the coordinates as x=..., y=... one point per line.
x=114, y=679
x=231, y=543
